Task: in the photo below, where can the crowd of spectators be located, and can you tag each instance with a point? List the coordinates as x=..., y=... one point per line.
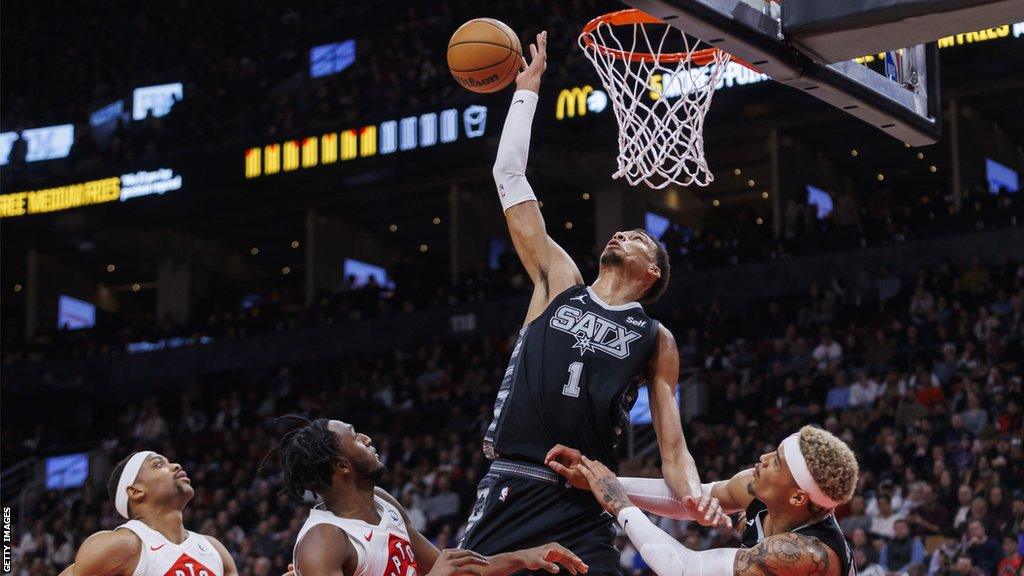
x=245, y=68
x=737, y=239
x=920, y=373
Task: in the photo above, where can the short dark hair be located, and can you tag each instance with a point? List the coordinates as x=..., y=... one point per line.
x=115, y=479
x=307, y=456
x=662, y=261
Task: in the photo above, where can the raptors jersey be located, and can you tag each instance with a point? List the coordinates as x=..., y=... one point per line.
x=572, y=379
x=382, y=549
x=826, y=530
x=196, y=556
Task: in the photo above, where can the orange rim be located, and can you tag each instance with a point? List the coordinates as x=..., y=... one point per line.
x=634, y=16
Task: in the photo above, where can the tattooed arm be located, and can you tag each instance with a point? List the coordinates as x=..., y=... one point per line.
x=780, y=555
x=789, y=554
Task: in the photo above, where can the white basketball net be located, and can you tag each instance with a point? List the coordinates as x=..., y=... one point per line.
x=659, y=106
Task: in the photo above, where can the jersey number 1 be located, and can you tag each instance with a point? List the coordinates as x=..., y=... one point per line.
x=572, y=388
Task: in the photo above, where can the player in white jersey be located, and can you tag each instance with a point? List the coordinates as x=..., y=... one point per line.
x=150, y=492
x=361, y=530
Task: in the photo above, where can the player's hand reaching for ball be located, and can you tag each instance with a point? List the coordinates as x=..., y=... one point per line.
x=454, y=562
x=549, y=557
x=530, y=73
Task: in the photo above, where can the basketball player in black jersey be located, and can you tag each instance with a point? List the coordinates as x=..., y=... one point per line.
x=574, y=371
x=789, y=498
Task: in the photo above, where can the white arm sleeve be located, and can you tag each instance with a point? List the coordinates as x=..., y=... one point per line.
x=655, y=496
x=668, y=557
x=513, y=151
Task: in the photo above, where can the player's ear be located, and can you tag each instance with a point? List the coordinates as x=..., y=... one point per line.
x=653, y=269
x=799, y=498
x=135, y=494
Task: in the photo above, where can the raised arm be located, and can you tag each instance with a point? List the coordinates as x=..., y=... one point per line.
x=677, y=465
x=108, y=553
x=549, y=266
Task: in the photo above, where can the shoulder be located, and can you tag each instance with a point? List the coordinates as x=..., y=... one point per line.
x=109, y=552
x=665, y=347
x=665, y=336
x=387, y=497
x=225, y=556
x=323, y=545
x=790, y=553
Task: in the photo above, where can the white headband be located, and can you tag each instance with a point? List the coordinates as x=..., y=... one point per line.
x=128, y=476
x=798, y=467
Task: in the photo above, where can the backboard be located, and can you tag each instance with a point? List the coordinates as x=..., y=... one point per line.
x=902, y=100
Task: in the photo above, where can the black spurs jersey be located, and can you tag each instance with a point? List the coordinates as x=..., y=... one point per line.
x=572, y=379
x=826, y=530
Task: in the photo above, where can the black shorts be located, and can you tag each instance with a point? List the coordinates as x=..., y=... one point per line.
x=521, y=505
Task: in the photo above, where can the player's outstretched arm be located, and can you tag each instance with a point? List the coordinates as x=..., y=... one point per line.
x=108, y=553
x=790, y=554
x=549, y=267
x=677, y=464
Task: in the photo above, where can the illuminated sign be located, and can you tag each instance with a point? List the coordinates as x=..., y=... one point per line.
x=124, y=187
x=332, y=58
x=143, y=183
x=577, y=101
x=7, y=140
x=108, y=113
x=46, y=143
x=674, y=85
x=388, y=137
x=155, y=101
x=965, y=38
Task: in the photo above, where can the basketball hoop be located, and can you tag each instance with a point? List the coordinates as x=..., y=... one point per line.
x=660, y=98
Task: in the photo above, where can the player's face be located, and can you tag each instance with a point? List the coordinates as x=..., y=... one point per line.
x=359, y=449
x=633, y=250
x=773, y=482
x=164, y=481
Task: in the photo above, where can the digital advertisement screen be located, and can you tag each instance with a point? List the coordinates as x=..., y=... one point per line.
x=331, y=58
x=363, y=271
x=156, y=101
x=74, y=314
x=498, y=247
x=7, y=140
x=656, y=225
x=68, y=471
x=48, y=142
x=109, y=113
x=1000, y=176
x=641, y=412
x=821, y=200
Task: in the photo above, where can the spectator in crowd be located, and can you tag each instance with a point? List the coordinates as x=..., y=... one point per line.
x=902, y=551
x=883, y=522
x=985, y=552
x=1012, y=561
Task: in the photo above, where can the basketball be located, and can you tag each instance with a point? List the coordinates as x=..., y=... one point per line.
x=484, y=55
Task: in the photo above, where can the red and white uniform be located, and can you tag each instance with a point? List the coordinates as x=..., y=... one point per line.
x=196, y=556
x=382, y=549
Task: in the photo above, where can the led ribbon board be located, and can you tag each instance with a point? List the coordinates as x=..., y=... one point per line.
x=388, y=137
x=124, y=187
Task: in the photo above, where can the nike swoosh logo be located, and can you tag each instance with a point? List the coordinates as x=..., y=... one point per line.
x=154, y=548
x=519, y=102
x=750, y=522
x=369, y=536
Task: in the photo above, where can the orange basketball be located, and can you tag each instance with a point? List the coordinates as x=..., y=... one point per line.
x=484, y=55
